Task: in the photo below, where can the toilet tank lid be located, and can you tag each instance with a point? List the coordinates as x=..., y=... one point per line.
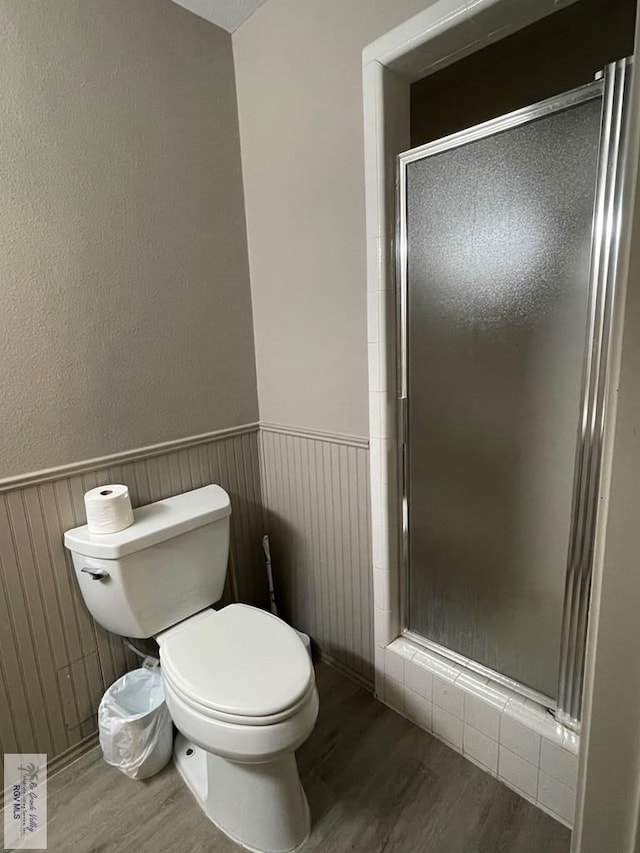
x=152, y=524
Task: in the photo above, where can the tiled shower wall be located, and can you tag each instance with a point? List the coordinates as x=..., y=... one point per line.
x=316, y=494
x=55, y=662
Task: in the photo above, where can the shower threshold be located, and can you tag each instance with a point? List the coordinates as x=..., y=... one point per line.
x=483, y=671
x=505, y=731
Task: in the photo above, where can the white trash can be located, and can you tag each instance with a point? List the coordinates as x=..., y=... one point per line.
x=136, y=732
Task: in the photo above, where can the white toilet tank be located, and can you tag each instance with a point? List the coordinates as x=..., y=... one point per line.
x=171, y=563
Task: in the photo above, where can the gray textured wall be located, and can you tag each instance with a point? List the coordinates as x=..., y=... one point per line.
x=125, y=306
x=299, y=73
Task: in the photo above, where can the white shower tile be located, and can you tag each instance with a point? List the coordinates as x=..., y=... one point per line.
x=439, y=666
x=447, y=696
x=385, y=314
x=386, y=461
x=372, y=90
x=371, y=142
x=379, y=503
x=375, y=270
x=381, y=178
x=373, y=303
x=377, y=541
x=520, y=740
x=489, y=20
x=398, y=38
x=375, y=422
x=393, y=692
x=571, y=741
x=381, y=562
x=559, y=763
x=404, y=647
x=376, y=500
x=418, y=709
x=540, y=713
x=383, y=379
x=378, y=662
x=375, y=52
x=375, y=209
x=393, y=665
x=418, y=678
x=447, y=727
x=482, y=716
x=536, y=718
x=381, y=595
x=515, y=771
x=382, y=627
x=374, y=368
x=391, y=544
x=398, y=655
x=484, y=690
x=369, y=108
x=384, y=528
x=374, y=150
x=481, y=748
x=371, y=215
x=379, y=673
x=374, y=465
x=388, y=415
x=558, y=798
x=469, y=680
x=514, y=699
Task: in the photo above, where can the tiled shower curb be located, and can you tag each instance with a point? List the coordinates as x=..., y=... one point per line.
x=514, y=739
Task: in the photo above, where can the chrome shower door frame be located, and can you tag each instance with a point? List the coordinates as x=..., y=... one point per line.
x=611, y=87
x=587, y=483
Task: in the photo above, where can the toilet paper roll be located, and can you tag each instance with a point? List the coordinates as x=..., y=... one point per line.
x=108, y=509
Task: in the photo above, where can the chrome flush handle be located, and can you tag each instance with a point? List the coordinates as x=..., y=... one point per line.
x=96, y=574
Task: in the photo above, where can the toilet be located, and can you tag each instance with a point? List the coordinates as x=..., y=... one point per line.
x=238, y=681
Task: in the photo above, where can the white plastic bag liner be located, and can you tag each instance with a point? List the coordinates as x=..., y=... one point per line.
x=136, y=732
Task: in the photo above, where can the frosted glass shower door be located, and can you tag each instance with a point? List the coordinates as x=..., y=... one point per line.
x=498, y=240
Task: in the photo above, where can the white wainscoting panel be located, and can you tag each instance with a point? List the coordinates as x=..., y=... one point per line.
x=316, y=494
x=55, y=662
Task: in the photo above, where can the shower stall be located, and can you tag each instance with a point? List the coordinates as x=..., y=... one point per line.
x=507, y=250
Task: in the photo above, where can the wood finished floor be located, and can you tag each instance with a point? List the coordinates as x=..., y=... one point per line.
x=374, y=782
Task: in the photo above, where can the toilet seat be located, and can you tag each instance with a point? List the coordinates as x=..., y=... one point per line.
x=240, y=719
x=238, y=665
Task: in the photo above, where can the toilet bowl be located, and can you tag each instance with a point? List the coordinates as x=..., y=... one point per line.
x=241, y=691
x=239, y=683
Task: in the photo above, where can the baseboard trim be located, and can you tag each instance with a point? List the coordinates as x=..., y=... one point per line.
x=345, y=670
x=316, y=435
x=34, y=478
x=71, y=755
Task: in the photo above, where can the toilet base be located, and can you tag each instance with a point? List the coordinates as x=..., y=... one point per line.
x=262, y=807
